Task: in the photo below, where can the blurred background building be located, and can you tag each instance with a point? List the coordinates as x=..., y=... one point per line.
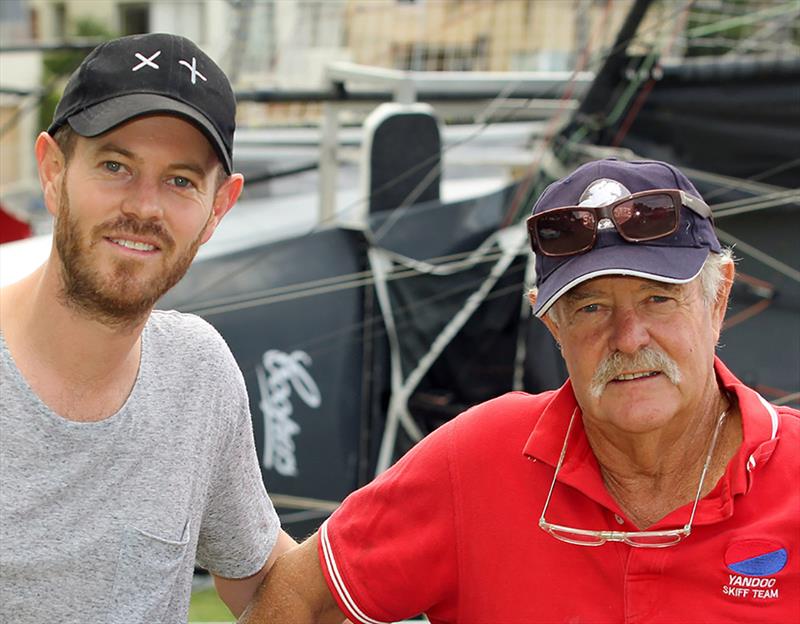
x=287, y=44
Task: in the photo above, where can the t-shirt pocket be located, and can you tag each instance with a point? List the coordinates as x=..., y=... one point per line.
x=147, y=570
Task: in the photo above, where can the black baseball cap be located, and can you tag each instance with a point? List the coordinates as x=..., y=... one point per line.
x=147, y=74
x=674, y=259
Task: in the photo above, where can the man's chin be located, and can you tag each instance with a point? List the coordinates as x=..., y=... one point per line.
x=115, y=302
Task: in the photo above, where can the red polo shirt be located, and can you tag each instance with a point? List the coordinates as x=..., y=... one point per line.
x=451, y=530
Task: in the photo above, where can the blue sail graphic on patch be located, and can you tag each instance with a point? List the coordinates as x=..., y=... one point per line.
x=763, y=565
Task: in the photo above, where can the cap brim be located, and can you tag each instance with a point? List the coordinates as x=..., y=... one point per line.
x=106, y=115
x=673, y=265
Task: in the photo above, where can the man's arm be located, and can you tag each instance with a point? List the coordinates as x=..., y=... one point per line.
x=295, y=591
x=236, y=593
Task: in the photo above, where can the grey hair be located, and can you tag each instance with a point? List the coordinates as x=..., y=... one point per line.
x=710, y=278
x=711, y=274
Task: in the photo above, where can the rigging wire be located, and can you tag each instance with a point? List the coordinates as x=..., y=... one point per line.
x=759, y=255
x=769, y=200
x=454, y=261
x=318, y=287
x=426, y=162
x=322, y=223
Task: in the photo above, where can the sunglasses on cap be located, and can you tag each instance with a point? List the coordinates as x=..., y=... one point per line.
x=640, y=217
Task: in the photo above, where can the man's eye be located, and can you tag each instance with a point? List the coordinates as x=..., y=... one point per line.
x=659, y=299
x=112, y=166
x=589, y=309
x=182, y=182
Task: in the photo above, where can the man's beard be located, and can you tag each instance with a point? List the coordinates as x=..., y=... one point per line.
x=117, y=299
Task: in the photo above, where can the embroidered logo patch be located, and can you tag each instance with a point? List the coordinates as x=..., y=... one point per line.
x=754, y=564
x=756, y=558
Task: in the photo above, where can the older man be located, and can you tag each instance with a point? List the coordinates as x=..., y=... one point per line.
x=126, y=448
x=652, y=487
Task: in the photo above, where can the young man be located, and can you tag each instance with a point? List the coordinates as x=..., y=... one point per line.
x=126, y=448
x=653, y=487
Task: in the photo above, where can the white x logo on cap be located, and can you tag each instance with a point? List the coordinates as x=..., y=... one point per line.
x=193, y=69
x=146, y=62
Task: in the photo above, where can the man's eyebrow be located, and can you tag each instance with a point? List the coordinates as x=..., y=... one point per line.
x=576, y=294
x=113, y=148
x=668, y=286
x=193, y=167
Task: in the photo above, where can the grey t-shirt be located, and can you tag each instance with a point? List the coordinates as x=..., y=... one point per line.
x=101, y=522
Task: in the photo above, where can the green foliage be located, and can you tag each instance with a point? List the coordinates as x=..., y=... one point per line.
x=58, y=66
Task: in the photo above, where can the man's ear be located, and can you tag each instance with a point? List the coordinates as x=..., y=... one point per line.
x=224, y=199
x=52, y=167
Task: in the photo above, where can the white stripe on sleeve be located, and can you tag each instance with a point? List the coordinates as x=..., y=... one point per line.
x=338, y=583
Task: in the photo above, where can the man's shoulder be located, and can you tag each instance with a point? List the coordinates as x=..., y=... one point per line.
x=504, y=420
x=509, y=408
x=182, y=328
x=172, y=335
x=175, y=321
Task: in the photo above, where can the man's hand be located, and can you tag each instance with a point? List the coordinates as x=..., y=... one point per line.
x=294, y=591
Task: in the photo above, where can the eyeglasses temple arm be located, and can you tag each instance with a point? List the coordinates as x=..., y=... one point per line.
x=696, y=204
x=558, y=466
x=705, y=466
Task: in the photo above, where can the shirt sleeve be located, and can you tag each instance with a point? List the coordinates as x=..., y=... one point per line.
x=239, y=526
x=389, y=551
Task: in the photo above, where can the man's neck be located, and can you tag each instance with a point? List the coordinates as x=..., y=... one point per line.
x=651, y=474
x=81, y=368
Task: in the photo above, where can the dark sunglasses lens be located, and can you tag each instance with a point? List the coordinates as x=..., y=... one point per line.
x=646, y=218
x=565, y=232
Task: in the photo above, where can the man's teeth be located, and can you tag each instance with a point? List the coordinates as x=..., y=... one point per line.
x=630, y=376
x=133, y=244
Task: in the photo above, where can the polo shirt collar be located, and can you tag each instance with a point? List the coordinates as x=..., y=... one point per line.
x=760, y=430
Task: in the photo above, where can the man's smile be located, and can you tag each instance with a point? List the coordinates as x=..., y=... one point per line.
x=134, y=245
x=638, y=375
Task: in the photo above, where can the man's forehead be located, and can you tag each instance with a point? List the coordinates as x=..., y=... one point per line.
x=135, y=136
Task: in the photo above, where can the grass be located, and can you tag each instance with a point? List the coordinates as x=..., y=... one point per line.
x=206, y=606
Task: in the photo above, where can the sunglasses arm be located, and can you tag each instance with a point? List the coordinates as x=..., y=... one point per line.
x=695, y=204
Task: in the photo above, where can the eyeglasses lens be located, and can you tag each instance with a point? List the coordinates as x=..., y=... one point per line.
x=565, y=232
x=669, y=538
x=653, y=540
x=646, y=218
x=577, y=538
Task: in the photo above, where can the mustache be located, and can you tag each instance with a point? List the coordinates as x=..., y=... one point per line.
x=646, y=358
x=125, y=224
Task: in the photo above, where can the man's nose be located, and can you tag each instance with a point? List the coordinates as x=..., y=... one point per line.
x=629, y=332
x=144, y=202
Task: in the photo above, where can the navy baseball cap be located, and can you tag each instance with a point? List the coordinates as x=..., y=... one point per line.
x=149, y=74
x=674, y=259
